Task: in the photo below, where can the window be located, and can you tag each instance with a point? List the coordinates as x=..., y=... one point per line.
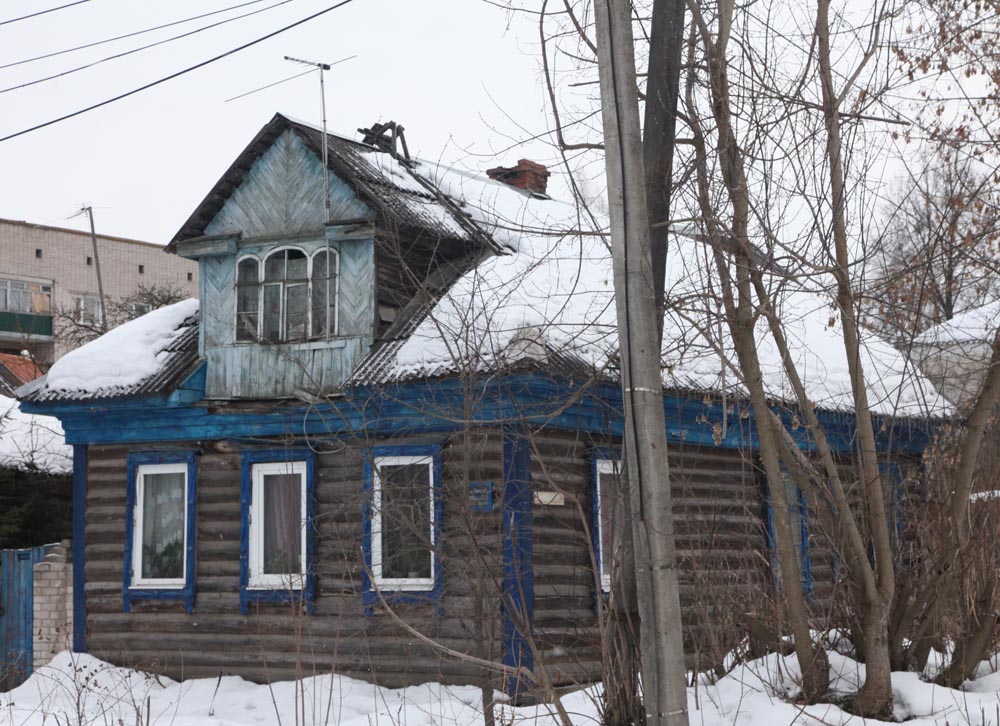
x=295, y=299
x=38, y=253
x=25, y=297
x=87, y=309
x=138, y=309
x=90, y=262
x=798, y=515
x=404, y=520
x=277, y=527
x=190, y=276
x=142, y=269
x=607, y=502
x=159, y=527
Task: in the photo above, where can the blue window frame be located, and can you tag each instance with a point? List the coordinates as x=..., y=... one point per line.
x=277, y=540
x=402, y=525
x=798, y=514
x=160, y=528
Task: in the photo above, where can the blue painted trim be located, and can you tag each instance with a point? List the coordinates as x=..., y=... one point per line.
x=307, y=595
x=805, y=551
x=186, y=593
x=481, y=496
x=805, y=557
x=403, y=409
x=369, y=597
x=79, y=548
x=518, y=602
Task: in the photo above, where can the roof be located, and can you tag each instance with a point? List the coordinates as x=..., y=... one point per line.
x=15, y=371
x=80, y=232
x=403, y=198
x=149, y=355
x=548, y=301
x=974, y=325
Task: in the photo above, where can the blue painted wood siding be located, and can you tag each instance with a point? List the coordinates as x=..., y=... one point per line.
x=282, y=194
x=281, y=201
x=16, y=613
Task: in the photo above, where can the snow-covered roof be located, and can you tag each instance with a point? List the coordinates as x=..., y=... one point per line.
x=548, y=298
x=28, y=441
x=144, y=355
x=975, y=325
x=555, y=295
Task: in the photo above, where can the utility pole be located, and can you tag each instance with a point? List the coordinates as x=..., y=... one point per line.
x=97, y=266
x=322, y=98
x=648, y=475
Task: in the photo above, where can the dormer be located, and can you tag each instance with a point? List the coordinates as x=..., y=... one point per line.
x=294, y=296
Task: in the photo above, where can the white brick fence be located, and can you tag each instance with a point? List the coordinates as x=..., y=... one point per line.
x=52, y=607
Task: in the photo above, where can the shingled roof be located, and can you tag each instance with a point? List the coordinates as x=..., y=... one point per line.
x=403, y=198
x=167, y=338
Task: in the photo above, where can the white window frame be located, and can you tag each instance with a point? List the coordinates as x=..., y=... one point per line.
x=261, y=261
x=404, y=584
x=151, y=583
x=602, y=466
x=258, y=579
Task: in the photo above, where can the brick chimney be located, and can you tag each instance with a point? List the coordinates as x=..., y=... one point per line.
x=526, y=175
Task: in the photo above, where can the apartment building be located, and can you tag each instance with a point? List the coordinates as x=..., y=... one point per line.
x=48, y=282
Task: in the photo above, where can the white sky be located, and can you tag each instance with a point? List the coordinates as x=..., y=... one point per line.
x=461, y=76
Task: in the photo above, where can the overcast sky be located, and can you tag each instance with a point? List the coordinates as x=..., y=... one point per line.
x=461, y=75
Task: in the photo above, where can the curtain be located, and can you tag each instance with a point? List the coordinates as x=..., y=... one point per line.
x=163, y=510
x=282, y=524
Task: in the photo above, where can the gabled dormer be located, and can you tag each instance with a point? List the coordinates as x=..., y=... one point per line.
x=293, y=296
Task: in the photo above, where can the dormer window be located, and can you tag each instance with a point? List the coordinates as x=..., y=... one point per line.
x=294, y=300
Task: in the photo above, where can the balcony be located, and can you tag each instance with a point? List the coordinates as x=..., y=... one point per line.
x=25, y=326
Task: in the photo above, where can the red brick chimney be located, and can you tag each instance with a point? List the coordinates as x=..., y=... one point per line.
x=526, y=175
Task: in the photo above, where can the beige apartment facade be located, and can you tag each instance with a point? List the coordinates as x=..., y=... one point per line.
x=49, y=286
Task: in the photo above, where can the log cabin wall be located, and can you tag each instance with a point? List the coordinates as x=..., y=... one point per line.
x=720, y=540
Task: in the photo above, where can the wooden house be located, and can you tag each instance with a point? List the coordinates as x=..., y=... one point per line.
x=387, y=442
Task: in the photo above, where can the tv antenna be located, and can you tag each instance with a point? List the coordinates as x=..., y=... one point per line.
x=322, y=98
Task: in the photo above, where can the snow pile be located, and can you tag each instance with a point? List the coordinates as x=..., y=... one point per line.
x=975, y=325
x=121, y=357
x=28, y=441
x=557, y=289
x=81, y=689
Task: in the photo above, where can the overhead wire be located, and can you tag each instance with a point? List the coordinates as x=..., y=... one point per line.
x=141, y=48
x=43, y=12
x=134, y=33
x=185, y=71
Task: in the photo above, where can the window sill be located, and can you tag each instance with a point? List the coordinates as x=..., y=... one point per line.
x=329, y=344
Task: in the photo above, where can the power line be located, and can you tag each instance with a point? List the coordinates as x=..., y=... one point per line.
x=140, y=48
x=187, y=70
x=42, y=12
x=127, y=35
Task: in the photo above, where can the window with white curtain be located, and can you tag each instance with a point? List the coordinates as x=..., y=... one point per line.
x=160, y=526
x=278, y=526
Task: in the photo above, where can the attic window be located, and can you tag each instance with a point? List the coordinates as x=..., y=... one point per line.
x=294, y=300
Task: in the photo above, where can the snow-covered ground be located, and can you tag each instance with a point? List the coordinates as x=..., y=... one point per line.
x=83, y=691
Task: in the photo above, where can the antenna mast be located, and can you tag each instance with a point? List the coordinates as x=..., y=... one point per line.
x=322, y=96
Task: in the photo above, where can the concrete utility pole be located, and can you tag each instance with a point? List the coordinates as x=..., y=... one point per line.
x=648, y=475
x=97, y=266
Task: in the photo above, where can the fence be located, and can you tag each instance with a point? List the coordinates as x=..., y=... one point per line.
x=35, y=609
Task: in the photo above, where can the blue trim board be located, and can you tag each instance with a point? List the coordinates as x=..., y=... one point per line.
x=369, y=597
x=518, y=601
x=186, y=593
x=801, y=509
x=79, y=548
x=447, y=405
x=307, y=595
